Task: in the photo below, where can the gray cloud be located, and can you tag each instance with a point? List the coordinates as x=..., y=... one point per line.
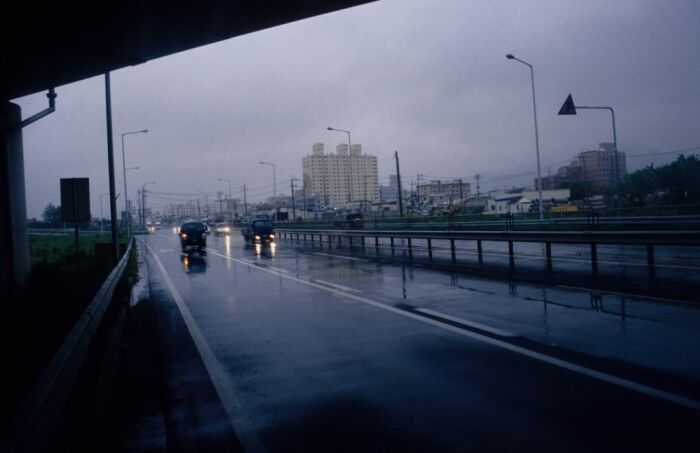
x=429, y=79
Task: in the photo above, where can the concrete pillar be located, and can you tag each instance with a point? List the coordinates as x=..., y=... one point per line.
x=14, y=244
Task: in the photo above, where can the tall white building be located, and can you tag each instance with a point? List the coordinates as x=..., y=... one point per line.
x=342, y=180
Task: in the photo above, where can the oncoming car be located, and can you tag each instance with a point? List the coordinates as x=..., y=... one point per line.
x=259, y=231
x=193, y=233
x=222, y=228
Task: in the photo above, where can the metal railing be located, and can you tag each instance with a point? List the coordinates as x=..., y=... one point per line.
x=647, y=239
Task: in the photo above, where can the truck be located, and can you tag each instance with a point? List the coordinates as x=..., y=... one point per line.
x=259, y=231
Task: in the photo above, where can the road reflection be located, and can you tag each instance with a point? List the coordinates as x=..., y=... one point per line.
x=194, y=262
x=268, y=250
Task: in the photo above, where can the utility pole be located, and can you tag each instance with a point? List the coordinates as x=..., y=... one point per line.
x=461, y=193
x=143, y=207
x=398, y=182
x=418, y=177
x=221, y=208
x=477, y=177
x=294, y=210
x=245, y=201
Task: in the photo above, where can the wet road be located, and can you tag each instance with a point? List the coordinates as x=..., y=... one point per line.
x=310, y=349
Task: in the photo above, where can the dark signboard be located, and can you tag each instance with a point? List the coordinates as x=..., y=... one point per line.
x=75, y=200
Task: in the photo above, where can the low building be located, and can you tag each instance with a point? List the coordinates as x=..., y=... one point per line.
x=596, y=167
x=440, y=191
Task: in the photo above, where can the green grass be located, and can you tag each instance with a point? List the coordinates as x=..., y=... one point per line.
x=54, y=249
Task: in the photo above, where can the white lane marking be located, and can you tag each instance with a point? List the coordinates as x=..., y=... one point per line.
x=476, y=325
x=335, y=285
x=338, y=256
x=625, y=383
x=239, y=419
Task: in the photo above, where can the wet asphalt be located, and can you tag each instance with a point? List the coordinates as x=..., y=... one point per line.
x=313, y=349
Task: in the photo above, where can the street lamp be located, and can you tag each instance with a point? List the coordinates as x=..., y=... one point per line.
x=537, y=138
x=570, y=109
x=274, y=182
x=126, y=194
x=128, y=202
x=349, y=169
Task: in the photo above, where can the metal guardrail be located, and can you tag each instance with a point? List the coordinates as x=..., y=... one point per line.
x=513, y=222
x=38, y=414
x=647, y=239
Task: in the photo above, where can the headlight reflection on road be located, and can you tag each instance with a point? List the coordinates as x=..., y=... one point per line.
x=227, y=245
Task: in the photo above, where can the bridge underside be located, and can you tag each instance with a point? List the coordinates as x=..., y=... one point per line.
x=49, y=44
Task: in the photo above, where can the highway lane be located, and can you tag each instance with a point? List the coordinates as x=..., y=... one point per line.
x=314, y=349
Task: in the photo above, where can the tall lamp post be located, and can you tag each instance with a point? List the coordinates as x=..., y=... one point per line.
x=126, y=194
x=349, y=169
x=228, y=200
x=537, y=138
x=274, y=183
x=128, y=203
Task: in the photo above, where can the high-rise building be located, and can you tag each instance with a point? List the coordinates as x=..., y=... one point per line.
x=342, y=180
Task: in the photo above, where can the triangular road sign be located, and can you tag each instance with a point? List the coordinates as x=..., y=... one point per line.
x=568, y=108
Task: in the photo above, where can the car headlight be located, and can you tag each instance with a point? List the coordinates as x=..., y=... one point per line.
x=257, y=237
x=184, y=235
x=272, y=236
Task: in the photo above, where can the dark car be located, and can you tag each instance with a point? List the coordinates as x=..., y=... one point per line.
x=193, y=234
x=349, y=221
x=260, y=230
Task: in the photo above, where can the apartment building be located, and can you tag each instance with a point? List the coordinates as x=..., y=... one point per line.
x=344, y=179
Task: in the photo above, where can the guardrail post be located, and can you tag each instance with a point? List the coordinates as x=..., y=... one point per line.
x=362, y=241
x=339, y=240
x=479, y=251
x=650, y=261
x=391, y=240
x=410, y=248
x=548, y=251
x=511, y=256
x=594, y=259
x=376, y=242
x=430, y=249
x=304, y=237
x=350, y=240
x=453, y=251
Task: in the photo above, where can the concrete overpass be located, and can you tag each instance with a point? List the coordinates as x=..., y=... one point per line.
x=49, y=44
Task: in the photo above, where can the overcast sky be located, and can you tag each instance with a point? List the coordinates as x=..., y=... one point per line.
x=429, y=79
